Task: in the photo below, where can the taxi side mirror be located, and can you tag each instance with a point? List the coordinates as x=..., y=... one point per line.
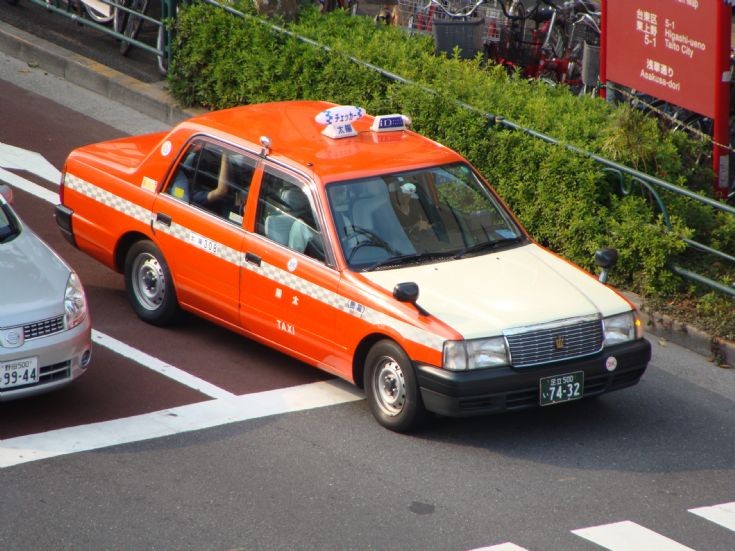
x=408, y=292
x=7, y=192
x=605, y=258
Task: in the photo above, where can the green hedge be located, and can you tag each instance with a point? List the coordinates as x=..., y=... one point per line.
x=563, y=199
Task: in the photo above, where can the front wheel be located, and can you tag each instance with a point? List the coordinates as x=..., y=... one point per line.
x=392, y=389
x=149, y=285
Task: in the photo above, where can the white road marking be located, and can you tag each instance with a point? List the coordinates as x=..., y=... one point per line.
x=629, y=536
x=167, y=370
x=723, y=514
x=502, y=547
x=17, y=158
x=31, y=187
x=202, y=415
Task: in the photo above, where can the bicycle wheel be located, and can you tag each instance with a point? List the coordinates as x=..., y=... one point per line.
x=120, y=17
x=99, y=16
x=133, y=24
x=160, y=43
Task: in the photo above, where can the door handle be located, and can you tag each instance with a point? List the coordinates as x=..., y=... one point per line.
x=164, y=219
x=253, y=258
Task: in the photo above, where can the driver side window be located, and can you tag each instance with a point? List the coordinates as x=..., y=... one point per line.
x=286, y=216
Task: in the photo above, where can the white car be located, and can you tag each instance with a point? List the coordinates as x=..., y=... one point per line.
x=45, y=330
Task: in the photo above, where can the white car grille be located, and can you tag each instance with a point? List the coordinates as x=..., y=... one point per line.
x=549, y=343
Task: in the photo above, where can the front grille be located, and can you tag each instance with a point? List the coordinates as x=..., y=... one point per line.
x=564, y=340
x=43, y=328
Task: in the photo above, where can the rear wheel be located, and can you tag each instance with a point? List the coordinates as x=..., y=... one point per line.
x=392, y=389
x=149, y=285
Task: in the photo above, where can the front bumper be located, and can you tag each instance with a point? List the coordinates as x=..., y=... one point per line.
x=62, y=357
x=465, y=393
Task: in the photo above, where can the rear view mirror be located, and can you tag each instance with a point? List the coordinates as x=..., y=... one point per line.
x=7, y=192
x=605, y=258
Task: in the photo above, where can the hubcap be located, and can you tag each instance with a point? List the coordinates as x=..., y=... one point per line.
x=149, y=283
x=390, y=386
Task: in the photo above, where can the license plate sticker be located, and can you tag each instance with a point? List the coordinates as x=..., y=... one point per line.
x=561, y=388
x=20, y=372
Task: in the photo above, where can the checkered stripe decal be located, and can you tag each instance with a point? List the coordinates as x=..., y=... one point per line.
x=339, y=302
x=108, y=199
x=303, y=286
x=412, y=333
x=280, y=276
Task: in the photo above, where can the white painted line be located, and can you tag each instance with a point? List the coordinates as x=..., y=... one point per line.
x=167, y=370
x=203, y=415
x=100, y=338
x=629, y=536
x=723, y=514
x=28, y=186
x=501, y=547
x=30, y=161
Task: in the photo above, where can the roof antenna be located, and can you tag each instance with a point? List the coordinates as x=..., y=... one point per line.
x=265, y=141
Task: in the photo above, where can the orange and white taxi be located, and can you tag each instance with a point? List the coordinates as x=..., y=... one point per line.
x=356, y=245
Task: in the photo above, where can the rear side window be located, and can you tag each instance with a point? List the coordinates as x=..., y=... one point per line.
x=214, y=178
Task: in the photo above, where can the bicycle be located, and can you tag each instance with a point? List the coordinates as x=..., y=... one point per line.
x=128, y=21
x=419, y=15
x=557, y=43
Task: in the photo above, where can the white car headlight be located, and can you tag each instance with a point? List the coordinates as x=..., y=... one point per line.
x=475, y=354
x=622, y=328
x=75, y=303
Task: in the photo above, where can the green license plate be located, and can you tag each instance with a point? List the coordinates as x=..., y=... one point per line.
x=561, y=388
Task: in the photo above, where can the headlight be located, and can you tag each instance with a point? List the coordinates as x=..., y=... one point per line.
x=622, y=328
x=75, y=303
x=475, y=354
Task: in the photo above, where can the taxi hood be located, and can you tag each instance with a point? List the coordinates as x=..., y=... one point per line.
x=483, y=295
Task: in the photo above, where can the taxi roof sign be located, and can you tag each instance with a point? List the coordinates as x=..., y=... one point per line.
x=390, y=123
x=338, y=120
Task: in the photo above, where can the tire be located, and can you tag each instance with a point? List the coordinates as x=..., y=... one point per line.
x=99, y=17
x=392, y=389
x=120, y=17
x=133, y=24
x=149, y=285
x=161, y=59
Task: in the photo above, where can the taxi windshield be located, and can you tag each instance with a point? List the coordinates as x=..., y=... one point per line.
x=424, y=215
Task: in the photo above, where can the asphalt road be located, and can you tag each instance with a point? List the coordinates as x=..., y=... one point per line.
x=330, y=477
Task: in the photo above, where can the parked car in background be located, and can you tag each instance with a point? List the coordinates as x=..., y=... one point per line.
x=355, y=245
x=45, y=330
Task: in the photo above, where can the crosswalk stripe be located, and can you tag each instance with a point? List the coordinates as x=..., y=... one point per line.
x=629, y=536
x=723, y=514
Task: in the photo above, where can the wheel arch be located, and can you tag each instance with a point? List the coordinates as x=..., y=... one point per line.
x=123, y=246
x=361, y=352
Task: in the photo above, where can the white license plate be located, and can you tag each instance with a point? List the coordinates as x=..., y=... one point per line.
x=23, y=371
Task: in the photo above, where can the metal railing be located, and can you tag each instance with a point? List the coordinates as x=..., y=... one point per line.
x=72, y=9
x=627, y=177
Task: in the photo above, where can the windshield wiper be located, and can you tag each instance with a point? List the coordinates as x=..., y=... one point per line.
x=487, y=246
x=413, y=258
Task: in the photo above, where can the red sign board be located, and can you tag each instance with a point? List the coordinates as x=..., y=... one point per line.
x=665, y=48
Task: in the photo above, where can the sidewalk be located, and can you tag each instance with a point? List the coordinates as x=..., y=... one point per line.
x=154, y=100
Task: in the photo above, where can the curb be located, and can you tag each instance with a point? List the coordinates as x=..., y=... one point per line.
x=718, y=351
x=156, y=102
x=150, y=99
